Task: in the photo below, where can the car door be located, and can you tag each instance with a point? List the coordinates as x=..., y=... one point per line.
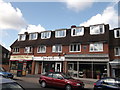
x=49, y=79
x=58, y=80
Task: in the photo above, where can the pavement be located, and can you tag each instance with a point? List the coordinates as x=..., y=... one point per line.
x=34, y=78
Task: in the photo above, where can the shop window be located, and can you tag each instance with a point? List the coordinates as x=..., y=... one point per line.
x=78, y=31
x=96, y=47
x=117, y=51
x=41, y=49
x=97, y=29
x=16, y=50
x=75, y=47
x=117, y=33
x=21, y=37
x=57, y=48
x=45, y=35
x=28, y=50
x=33, y=36
x=14, y=65
x=60, y=33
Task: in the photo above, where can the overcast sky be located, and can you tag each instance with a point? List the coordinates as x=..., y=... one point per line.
x=39, y=16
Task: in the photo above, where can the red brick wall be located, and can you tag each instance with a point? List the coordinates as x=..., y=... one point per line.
x=65, y=50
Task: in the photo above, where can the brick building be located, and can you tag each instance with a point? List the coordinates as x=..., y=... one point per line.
x=73, y=50
x=4, y=57
x=114, y=46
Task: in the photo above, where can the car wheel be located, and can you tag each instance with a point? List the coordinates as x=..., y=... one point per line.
x=43, y=84
x=68, y=87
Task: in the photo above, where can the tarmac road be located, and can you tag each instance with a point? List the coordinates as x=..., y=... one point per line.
x=31, y=83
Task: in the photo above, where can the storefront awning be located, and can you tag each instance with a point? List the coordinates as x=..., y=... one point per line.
x=115, y=61
x=87, y=57
x=21, y=58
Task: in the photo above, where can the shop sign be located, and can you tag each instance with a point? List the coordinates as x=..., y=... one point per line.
x=49, y=58
x=21, y=57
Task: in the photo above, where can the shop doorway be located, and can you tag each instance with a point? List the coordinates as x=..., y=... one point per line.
x=58, y=67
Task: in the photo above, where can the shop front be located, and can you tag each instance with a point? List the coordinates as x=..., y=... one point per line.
x=21, y=64
x=48, y=64
x=115, y=68
x=88, y=66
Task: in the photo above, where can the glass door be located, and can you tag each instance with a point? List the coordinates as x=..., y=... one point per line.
x=58, y=67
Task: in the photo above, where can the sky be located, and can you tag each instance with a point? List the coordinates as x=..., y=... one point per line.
x=18, y=16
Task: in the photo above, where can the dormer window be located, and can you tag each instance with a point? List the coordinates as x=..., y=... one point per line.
x=77, y=31
x=33, y=36
x=21, y=37
x=45, y=35
x=117, y=33
x=60, y=33
x=98, y=29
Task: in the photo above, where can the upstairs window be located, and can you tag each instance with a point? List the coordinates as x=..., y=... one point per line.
x=16, y=50
x=117, y=51
x=96, y=47
x=33, y=36
x=45, y=35
x=57, y=48
x=21, y=37
x=4, y=55
x=60, y=33
x=41, y=49
x=117, y=33
x=75, y=47
x=28, y=50
x=78, y=31
x=98, y=29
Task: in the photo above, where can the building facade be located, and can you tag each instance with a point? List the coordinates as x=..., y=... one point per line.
x=4, y=57
x=73, y=50
x=114, y=46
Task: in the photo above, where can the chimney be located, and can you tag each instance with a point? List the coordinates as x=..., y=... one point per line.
x=73, y=26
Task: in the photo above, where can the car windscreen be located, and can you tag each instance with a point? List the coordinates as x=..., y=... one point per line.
x=66, y=76
x=11, y=86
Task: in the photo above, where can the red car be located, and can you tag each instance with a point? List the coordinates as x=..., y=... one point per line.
x=61, y=80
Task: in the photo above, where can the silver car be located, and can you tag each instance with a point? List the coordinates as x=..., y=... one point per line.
x=9, y=84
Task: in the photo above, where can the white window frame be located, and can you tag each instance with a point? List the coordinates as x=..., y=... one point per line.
x=57, y=48
x=94, y=47
x=117, y=50
x=95, y=29
x=81, y=33
x=77, y=45
x=4, y=55
x=16, y=50
x=21, y=37
x=39, y=49
x=115, y=33
x=33, y=36
x=45, y=35
x=28, y=49
x=60, y=33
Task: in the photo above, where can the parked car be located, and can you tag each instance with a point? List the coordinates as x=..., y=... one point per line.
x=9, y=84
x=61, y=80
x=107, y=83
x=5, y=74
